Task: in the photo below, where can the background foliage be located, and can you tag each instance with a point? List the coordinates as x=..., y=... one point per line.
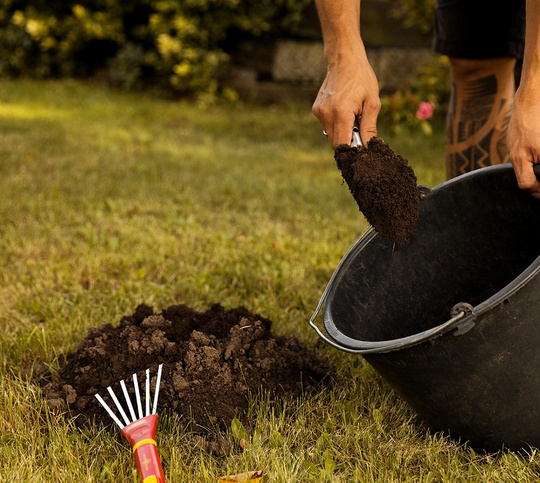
x=182, y=44
x=415, y=13
x=400, y=109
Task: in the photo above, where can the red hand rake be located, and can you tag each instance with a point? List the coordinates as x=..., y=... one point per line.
x=141, y=431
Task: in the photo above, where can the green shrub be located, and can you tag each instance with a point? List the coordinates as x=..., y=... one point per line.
x=181, y=41
x=408, y=107
x=405, y=108
x=415, y=13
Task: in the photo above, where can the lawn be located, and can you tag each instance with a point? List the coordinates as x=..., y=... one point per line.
x=110, y=199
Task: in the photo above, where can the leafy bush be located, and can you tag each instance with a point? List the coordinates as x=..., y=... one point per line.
x=415, y=13
x=182, y=41
x=408, y=108
x=426, y=97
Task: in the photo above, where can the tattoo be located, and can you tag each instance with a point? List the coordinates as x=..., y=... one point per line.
x=476, y=126
x=501, y=148
x=477, y=104
x=473, y=157
x=450, y=116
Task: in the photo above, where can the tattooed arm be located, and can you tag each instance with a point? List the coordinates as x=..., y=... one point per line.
x=350, y=87
x=523, y=138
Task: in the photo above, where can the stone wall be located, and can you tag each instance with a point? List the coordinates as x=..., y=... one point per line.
x=296, y=67
x=303, y=63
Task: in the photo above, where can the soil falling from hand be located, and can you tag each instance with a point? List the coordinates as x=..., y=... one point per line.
x=212, y=361
x=383, y=186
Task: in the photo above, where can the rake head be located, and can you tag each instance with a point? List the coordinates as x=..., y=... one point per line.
x=128, y=400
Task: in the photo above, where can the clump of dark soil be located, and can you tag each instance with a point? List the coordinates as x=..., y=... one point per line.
x=384, y=187
x=212, y=361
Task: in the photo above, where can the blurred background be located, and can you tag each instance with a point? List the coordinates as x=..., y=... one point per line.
x=267, y=51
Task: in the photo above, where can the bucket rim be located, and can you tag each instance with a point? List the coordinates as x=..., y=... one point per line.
x=462, y=316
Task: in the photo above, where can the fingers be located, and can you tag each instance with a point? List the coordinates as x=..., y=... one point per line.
x=338, y=124
x=527, y=181
x=525, y=175
x=368, y=123
x=342, y=130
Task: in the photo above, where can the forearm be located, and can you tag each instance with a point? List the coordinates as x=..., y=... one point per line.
x=530, y=80
x=340, y=25
x=523, y=136
x=350, y=88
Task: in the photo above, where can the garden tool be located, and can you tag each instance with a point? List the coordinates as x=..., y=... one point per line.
x=140, y=431
x=382, y=184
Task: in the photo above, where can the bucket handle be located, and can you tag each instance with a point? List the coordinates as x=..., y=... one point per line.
x=381, y=346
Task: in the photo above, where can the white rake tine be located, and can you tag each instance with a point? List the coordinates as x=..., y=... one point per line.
x=147, y=392
x=156, y=394
x=118, y=406
x=128, y=400
x=109, y=410
x=137, y=395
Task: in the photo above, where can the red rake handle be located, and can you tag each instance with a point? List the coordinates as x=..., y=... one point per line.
x=142, y=437
x=149, y=464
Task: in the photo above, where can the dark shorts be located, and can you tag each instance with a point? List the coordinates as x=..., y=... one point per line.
x=479, y=29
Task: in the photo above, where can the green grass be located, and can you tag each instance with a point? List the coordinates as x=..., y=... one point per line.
x=109, y=199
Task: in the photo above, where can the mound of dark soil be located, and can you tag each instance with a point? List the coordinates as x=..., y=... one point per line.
x=212, y=361
x=383, y=186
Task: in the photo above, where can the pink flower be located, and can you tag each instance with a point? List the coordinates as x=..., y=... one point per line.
x=425, y=110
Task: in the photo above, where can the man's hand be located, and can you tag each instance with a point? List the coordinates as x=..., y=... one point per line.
x=350, y=89
x=523, y=137
x=523, y=140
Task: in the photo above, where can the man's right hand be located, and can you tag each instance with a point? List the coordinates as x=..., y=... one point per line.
x=523, y=138
x=350, y=89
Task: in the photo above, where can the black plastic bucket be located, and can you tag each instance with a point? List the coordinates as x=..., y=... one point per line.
x=452, y=320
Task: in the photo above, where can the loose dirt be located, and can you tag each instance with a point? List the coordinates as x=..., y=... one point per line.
x=383, y=186
x=213, y=361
